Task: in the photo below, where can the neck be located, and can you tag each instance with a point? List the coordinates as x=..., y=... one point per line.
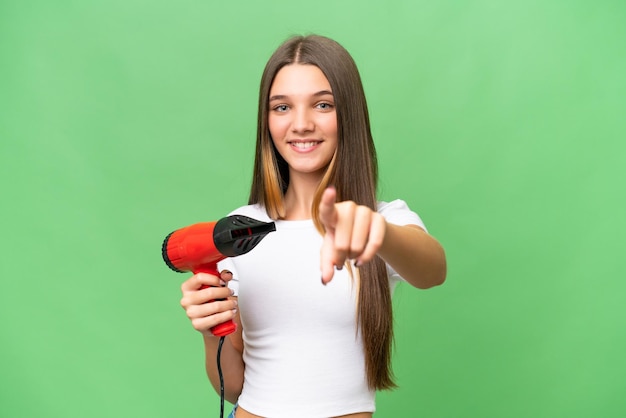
x=299, y=196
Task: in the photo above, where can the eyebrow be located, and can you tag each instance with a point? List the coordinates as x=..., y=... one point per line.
x=319, y=93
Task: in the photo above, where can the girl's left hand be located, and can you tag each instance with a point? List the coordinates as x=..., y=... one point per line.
x=353, y=232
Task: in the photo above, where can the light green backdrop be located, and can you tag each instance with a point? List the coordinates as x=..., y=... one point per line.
x=500, y=122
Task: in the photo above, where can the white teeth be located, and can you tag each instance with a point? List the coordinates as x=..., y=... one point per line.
x=303, y=145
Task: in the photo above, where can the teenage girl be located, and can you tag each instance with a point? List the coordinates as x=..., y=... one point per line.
x=313, y=300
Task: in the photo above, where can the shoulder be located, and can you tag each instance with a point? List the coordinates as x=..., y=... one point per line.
x=255, y=211
x=398, y=212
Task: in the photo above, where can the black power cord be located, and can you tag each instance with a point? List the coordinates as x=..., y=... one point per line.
x=219, y=371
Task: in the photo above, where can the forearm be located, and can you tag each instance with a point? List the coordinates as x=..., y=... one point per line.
x=231, y=360
x=232, y=365
x=414, y=255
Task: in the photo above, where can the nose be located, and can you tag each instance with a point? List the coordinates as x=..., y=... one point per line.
x=302, y=121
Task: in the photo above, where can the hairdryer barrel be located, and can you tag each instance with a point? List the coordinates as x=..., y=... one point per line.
x=199, y=247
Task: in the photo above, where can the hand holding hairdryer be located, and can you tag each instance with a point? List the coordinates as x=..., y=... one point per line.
x=199, y=247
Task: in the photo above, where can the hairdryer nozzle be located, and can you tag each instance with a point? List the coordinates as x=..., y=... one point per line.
x=237, y=234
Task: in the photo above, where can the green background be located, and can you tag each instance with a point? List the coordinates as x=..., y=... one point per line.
x=501, y=123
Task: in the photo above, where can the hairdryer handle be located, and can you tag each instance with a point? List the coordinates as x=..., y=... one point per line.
x=225, y=328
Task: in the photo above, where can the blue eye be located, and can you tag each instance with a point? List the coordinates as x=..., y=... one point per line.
x=325, y=106
x=281, y=108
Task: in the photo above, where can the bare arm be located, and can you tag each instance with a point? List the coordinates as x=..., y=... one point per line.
x=231, y=360
x=414, y=255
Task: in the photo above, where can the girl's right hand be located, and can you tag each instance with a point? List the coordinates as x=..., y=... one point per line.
x=202, y=305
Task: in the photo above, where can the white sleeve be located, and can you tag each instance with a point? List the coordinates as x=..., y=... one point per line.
x=398, y=212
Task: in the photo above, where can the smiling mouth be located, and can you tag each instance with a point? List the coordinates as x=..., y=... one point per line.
x=304, y=144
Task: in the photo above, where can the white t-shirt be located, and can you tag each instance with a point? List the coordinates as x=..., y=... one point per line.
x=302, y=347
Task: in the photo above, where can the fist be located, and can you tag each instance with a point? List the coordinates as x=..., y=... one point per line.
x=353, y=232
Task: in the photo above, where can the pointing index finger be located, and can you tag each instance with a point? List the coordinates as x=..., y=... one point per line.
x=328, y=214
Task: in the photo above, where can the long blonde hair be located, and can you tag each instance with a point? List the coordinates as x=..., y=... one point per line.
x=353, y=171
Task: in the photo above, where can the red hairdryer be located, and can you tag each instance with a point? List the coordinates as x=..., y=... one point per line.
x=199, y=247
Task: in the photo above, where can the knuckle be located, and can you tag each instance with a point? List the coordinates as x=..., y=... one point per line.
x=192, y=312
x=350, y=207
x=345, y=206
x=375, y=243
x=357, y=250
x=363, y=210
x=197, y=324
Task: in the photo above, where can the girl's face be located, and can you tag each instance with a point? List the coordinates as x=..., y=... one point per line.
x=302, y=118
